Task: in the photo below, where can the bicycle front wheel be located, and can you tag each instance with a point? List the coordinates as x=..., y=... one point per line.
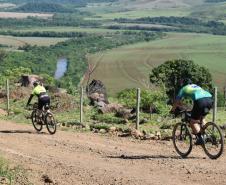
x=50, y=123
x=213, y=140
x=36, y=121
x=182, y=139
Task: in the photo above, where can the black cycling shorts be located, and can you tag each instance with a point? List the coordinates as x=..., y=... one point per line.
x=201, y=108
x=43, y=101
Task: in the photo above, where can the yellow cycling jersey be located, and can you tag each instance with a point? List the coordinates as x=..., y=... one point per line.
x=38, y=89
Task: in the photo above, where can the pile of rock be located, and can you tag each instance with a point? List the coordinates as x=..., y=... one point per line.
x=28, y=80
x=131, y=132
x=97, y=95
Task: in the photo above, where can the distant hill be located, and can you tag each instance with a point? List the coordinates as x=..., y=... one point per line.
x=215, y=1
x=41, y=7
x=74, y=2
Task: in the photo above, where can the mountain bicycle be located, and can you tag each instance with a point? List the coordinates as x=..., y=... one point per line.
x=43, y=117
x=213, y=141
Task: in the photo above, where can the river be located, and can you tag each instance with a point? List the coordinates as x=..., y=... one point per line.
x=61, y=68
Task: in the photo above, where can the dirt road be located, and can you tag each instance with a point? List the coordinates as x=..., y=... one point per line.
x=87, y=158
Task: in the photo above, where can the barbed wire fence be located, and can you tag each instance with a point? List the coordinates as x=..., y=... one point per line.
x=82, y=94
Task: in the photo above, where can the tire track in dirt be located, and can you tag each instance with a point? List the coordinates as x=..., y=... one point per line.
x=86, y=158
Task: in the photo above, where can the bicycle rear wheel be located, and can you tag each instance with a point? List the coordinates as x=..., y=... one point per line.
x=36, y=121
x=50, y=123
x=213, y=140
x=182, y=139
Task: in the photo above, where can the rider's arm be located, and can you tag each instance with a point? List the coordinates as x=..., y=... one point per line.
x=176, y=104
x=29, y=100
x=177, y=101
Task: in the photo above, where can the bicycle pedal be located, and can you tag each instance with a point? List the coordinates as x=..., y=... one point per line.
x=199, y=141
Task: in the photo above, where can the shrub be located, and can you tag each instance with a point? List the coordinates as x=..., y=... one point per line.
x=220, y=99
x=155, y=100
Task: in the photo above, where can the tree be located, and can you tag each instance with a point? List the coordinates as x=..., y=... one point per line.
x=3, y=54
x=170, y=73
x=13, y=74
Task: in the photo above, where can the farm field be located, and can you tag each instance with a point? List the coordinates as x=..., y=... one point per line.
x=137, y=9
x=20, y=41
x=224, y=21
x=6, y=5
x=210, y=12
x=19, y=15
x=129, y=66
x=141, y=13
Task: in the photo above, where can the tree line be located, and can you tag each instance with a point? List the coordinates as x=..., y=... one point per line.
x=56, y=20
x=41, y=7
x=42, y=34
x=215, y=1
x=182, y=24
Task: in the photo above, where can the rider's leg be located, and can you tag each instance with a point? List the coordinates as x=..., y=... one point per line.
x=196, y=130
x=200, y=110
x=40, y=106
x=195, y=126
x=45, y=101
x=196, y=114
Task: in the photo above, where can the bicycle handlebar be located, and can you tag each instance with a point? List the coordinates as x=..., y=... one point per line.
x=178, y=111
x=31, y=106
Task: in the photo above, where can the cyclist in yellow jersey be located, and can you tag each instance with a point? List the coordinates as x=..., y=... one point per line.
x=40, y=92
x=202, y=104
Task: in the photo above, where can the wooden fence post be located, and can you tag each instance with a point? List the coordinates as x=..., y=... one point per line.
x=215, y=105
x=81, y=105
x=7, y=95
x=224, y=98
x=138, y=109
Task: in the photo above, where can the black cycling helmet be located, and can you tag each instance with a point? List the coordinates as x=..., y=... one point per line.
x=185, y=81
x=35, y=83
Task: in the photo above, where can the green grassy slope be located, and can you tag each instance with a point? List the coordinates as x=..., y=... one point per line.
x=137, y=8
x=211, y=11
x=129, y=66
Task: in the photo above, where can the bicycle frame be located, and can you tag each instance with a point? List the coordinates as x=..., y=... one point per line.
x=213, y=143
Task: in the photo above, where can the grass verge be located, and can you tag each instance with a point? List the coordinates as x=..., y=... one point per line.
x=12, y=175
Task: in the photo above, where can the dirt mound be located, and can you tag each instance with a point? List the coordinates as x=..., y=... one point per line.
x=60, y=100
x=16, y=93
x=63, y=101
x=20, y=92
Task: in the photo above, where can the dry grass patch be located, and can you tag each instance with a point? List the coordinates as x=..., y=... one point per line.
x=6, y=5
x=18, y=15
x=20, y=41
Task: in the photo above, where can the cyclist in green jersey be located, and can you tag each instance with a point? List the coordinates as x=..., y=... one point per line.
x=202, y=103
x=40, y=92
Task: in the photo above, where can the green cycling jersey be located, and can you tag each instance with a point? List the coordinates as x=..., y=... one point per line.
x=193, y=91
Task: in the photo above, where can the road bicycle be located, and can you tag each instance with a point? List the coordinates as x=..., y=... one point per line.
x=43, y=117
x=213, y=141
